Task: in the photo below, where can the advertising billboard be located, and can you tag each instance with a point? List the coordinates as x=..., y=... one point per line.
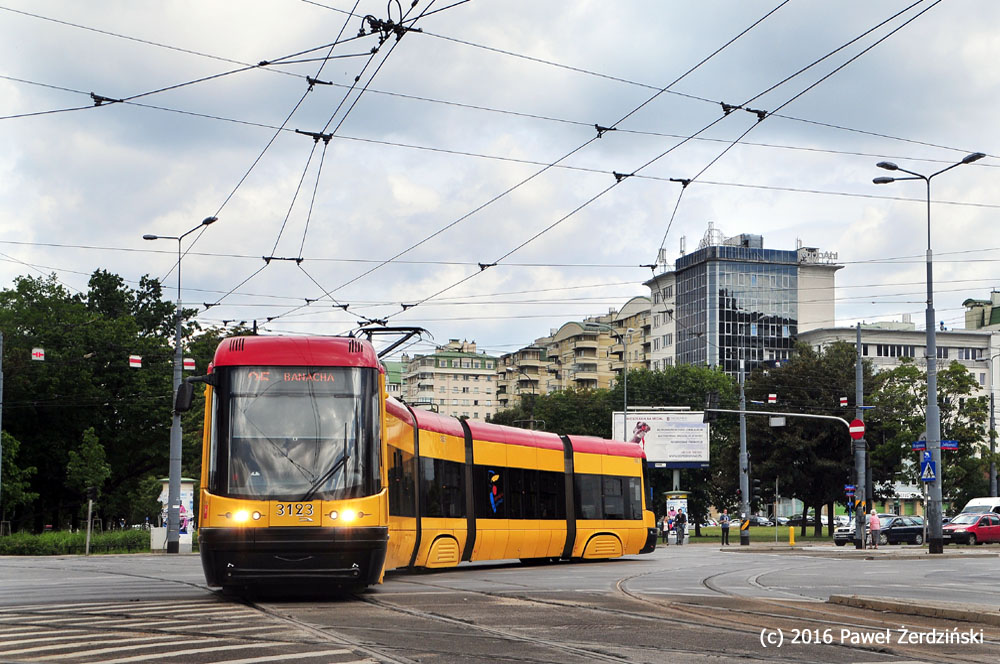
x=679, y=439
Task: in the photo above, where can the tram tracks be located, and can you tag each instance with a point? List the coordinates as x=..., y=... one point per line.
x=787, y=614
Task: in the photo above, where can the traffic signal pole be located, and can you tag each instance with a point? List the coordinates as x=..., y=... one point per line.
x=744, y=469
x=860, y=505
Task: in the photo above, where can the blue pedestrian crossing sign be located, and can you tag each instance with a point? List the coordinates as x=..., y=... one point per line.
x=928, y=470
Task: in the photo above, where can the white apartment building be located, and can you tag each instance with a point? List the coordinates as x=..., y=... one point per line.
x=455, y=380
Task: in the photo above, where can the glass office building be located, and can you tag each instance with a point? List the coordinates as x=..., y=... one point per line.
x=736, y=302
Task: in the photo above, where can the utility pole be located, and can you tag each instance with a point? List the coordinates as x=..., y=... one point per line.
x=1, y=429
x=744, y=469
x=993, y=432
x=860, y=506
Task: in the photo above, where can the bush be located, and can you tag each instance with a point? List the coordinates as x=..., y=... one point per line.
x=67, y=543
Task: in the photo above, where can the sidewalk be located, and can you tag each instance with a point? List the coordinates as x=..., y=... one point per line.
x=978, y=613
x=894, y=552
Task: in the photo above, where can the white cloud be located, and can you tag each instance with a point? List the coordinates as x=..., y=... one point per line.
x=104, y=176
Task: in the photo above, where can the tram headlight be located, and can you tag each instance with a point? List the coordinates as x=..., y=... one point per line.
x=241, y=516
x=256, y=516
x=348, y=515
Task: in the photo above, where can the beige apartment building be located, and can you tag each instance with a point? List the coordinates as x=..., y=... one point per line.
x=586, y=354
x=455, y=380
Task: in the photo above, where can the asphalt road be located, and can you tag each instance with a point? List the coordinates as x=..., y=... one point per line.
x=679, y=604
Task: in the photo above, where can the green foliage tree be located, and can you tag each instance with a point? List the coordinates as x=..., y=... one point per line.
x=898, y=419
x=16, y=479
x=87, y=465
x=810, y=458
x=86, y=382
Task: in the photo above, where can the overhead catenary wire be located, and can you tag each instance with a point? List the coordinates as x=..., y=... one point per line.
x=549, y=166
x=508, y=264
x=660, y=156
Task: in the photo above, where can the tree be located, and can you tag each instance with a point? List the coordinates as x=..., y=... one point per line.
x=810, y=458
x=86, y=382
x=87, y=465
x=899, y=418
x=16, y=479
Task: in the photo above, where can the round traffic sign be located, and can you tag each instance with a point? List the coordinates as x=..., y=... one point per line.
x=857, y=429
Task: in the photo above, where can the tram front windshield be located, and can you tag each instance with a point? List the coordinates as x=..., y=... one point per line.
x=295, y=433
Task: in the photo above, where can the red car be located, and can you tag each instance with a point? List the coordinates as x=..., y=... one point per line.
x=971, y=528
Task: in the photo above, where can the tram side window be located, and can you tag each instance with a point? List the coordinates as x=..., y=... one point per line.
x=441, y=488
x=588, y=497
x=529, y=495
x=551, y=495
x=489, y=484
x=402, y=477
x=614, y=501
x=634, y=499
x=515, y=493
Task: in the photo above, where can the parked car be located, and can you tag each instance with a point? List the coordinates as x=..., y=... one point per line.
x=972, y=528
x=845, y=534
x=901, y=529
x=781, y=520
x=757, y=520
x=710, y=523
x=797, y=521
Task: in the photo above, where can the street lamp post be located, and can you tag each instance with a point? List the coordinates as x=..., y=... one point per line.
x=624, y=338
x=933, y=416
x=174, y=472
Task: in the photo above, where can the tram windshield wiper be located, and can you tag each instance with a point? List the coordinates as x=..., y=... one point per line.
x=338, y=464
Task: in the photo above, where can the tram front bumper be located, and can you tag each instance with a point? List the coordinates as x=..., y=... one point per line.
x=273, y=556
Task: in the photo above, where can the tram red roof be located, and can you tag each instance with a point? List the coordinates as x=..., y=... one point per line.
x=296, y=351
x=514, y=436
x=430, y=421
x=595, y=445
x=398, y=410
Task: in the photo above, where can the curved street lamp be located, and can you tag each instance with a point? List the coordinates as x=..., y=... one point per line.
x=174, y=484
x=933, y=416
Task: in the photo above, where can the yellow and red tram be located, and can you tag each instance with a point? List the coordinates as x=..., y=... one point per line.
x=312, y=474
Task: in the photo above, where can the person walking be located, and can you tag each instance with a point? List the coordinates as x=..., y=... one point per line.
x=680, y=521
x=875, y=528
x=724, y=522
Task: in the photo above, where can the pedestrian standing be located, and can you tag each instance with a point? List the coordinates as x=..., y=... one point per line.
x=680, y=521
x=724, y=522
x=875, y=528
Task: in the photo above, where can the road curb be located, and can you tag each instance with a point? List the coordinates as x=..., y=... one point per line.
x=864, y=554
x=947, y=611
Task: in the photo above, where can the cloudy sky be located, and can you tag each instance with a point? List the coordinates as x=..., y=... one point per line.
x=471, y=140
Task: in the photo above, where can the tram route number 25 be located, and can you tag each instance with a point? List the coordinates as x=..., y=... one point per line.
x=294, y=509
